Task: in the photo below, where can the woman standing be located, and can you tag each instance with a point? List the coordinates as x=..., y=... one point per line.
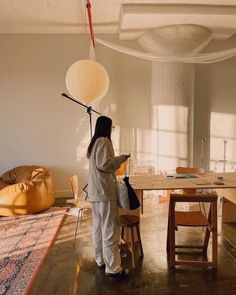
x=102, y=194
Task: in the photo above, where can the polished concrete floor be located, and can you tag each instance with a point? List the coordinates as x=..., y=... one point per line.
x=71, y=270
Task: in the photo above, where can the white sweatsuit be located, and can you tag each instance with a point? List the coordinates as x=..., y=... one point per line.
x=102, y=195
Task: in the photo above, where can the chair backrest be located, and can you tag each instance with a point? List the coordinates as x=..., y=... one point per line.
x=74, y=186
x=186, y=170
x=206, y=198
x=189, y=170
x=193, y=198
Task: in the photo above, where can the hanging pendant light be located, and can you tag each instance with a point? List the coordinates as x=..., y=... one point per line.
x=87, y=80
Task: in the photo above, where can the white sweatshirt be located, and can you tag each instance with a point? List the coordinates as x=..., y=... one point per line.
x=102, y=167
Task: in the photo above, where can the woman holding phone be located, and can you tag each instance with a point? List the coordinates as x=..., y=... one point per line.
x=102, y=195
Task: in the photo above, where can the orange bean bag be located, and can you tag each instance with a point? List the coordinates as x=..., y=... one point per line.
x=25, y=190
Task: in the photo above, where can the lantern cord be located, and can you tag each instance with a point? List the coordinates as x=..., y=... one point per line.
x=88, y=6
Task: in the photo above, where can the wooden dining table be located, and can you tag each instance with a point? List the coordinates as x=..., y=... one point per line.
x=210, y=181
x=176, y=181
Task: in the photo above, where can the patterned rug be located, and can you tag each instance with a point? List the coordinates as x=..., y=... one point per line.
x=24, y=243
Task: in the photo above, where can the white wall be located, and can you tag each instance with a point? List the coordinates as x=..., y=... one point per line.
x=215, y=109
x=38, y=126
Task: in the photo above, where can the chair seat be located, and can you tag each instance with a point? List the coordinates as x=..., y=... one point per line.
x=194, y=218
x=82, y=205
x=128, y=220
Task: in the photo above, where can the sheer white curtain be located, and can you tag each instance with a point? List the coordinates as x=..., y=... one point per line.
x=196, y=58
x=167, y=141
x=172, y=113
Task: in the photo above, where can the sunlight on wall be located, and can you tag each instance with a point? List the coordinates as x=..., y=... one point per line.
x=158, y=149
x=172, y=129
x=223, y=127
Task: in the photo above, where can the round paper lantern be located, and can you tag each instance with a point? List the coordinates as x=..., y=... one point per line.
x=87, y=80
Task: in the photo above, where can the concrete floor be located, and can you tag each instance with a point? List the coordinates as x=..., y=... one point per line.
x=72, y=270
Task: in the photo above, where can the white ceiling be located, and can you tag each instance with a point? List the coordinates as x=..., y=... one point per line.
x=128, y=18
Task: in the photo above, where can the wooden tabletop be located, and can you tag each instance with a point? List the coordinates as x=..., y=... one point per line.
x=203, y=181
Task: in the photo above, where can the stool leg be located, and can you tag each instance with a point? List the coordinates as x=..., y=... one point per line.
x=139, y=240
x=122, y=234
x=141, y=201
x=132, y=247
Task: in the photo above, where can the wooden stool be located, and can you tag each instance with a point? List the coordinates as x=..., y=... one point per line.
x=128, y=236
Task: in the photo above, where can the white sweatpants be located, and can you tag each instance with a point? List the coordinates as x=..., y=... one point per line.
x=106, y=235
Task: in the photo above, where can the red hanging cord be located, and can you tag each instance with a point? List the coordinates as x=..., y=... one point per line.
x=88, y=6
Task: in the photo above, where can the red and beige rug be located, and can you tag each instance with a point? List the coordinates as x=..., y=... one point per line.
x=24, y=243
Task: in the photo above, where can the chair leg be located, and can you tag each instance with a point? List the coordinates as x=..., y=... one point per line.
x=78, y=222
x=139, y=239
x=168, y=233
x=214, y=235
x=207, y=234
x=172, y=235
x=206, y=240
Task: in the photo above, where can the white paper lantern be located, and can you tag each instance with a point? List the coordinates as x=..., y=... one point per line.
x=87, y=80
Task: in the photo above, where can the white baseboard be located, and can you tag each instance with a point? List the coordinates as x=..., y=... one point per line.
x=63, y=194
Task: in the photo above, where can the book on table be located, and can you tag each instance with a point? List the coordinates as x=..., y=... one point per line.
x=179, y=175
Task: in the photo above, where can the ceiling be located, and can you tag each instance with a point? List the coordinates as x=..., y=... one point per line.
x=127, y=18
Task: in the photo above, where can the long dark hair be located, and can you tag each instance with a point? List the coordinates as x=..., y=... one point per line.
x=102, y=129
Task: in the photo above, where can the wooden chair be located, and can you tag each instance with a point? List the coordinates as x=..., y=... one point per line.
x=192, y=219
x=130, y=229
x=81, y=206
